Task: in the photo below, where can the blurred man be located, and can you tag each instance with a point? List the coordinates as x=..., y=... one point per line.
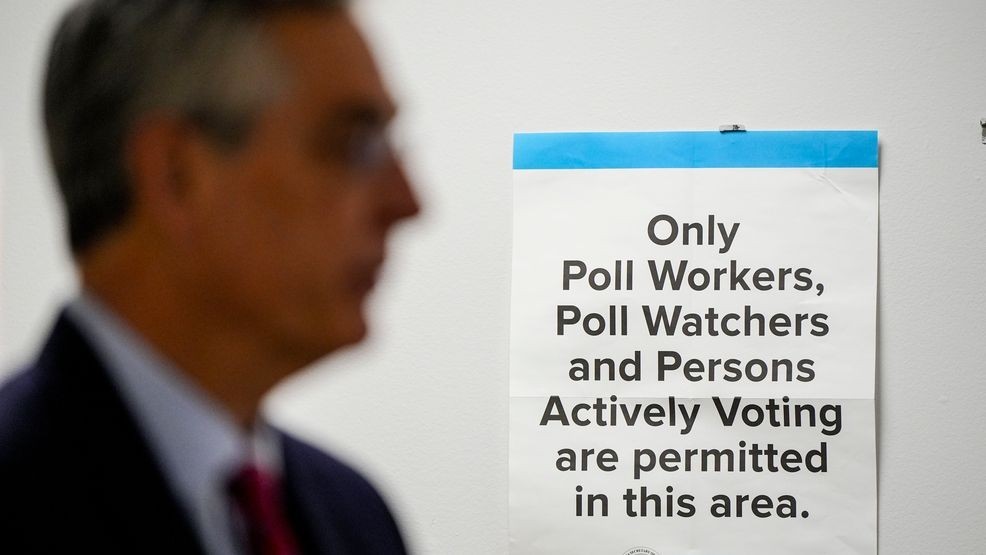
x=229, y=190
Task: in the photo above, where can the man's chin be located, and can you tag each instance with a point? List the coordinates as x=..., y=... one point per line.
x=346, y=334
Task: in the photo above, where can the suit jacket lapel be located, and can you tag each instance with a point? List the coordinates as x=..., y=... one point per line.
x=333, y=508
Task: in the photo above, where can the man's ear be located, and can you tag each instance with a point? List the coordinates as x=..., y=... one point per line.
x=170, y=166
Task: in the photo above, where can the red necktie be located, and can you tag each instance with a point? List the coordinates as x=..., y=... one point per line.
x=257, y=496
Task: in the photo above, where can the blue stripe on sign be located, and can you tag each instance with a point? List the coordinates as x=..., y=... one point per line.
x=696, y=149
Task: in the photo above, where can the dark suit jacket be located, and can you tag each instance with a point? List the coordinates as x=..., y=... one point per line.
x=76, y=476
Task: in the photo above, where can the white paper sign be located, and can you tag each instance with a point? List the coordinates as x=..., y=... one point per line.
x=693, y=342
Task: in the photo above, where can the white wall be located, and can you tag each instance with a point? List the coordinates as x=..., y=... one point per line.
x=423, y=405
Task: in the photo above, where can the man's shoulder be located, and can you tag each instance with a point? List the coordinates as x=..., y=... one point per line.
x=50, y=401
x=36, y=444
x=25, y=419
x=326, y=490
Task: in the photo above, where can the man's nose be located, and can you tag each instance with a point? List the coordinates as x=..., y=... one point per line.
x=399, y=200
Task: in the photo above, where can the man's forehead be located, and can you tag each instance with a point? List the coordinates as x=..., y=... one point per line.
x=328, y=58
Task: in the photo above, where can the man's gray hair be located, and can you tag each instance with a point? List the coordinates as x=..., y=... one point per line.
x=114, y=61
